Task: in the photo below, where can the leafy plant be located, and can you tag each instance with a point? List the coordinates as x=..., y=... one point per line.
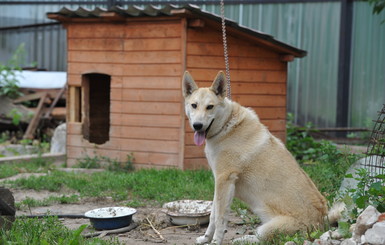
x=8, y=74
x=322, y=161
x=300, y=143
x=16, y=116
x=370, y=191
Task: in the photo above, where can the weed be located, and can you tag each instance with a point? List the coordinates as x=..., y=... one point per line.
x=369, y=191
x=30, y=202
x=48, y=230
x=107, y=163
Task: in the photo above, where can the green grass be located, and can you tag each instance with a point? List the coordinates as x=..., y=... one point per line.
x=158, y=186
x=45, y=232
x=37, y=165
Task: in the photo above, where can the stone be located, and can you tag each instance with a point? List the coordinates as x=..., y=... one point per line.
x=326, y=236
x=349, y=241
x=336, y=235
x=58, y=141
x=290, y=243
x=335, y=242
x=376, y=234
x=365, y=221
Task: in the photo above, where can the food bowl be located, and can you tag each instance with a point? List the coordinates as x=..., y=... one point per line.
x=188, y=212
x=111, y=217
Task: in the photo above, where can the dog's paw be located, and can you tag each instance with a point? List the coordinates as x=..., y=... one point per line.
x=202, y=240
x=244, y=239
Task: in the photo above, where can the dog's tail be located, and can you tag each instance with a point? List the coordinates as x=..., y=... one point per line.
x=335, y=212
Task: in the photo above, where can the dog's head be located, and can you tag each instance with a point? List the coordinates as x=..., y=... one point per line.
x=203, y=105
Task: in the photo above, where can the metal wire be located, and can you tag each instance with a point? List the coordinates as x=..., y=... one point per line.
x=225, y=52
x=375, y=160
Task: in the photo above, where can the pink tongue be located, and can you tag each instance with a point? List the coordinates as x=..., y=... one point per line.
x=199, y=138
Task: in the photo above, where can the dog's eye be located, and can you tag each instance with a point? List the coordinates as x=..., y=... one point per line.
x=209, y=107
x=194, y=106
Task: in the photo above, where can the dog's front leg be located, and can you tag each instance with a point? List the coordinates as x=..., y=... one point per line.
x=208, y=236
x=224, y=194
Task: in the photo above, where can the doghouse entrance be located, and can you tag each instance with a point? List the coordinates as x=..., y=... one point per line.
x=96, y=91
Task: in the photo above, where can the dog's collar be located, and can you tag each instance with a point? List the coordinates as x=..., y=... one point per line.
x=208, y=128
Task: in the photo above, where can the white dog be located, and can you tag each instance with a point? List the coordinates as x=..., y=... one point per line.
x=248, y=162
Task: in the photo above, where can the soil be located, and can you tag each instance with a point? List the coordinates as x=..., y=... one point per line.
x=143, y=234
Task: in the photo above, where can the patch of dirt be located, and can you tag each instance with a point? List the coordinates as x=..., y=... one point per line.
x=143, y=234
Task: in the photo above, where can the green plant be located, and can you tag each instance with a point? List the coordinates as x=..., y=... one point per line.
x=8, y=74
x=49, y=230
x=322, y=161
x=370, y=191
x=16, y=116
x=115, y=165
x=300, y=143
x=89, y=162
x=107, y=163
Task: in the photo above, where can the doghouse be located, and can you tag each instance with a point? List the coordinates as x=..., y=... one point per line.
x=125, y=67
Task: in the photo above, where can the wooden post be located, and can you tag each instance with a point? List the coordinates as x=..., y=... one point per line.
x=36, y=118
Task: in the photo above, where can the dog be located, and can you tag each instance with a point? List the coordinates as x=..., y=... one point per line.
x=249, y=163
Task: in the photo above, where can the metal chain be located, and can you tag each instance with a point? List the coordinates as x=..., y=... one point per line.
x=226, y=55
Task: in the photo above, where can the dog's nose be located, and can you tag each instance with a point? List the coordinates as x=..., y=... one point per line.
x=197, y=126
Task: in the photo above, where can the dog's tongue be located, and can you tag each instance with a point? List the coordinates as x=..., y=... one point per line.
x=199, y=138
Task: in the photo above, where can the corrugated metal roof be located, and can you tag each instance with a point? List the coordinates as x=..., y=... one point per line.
x=66, y=14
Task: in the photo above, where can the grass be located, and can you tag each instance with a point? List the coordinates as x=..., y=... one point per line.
x=157, y=186
x=46, y=231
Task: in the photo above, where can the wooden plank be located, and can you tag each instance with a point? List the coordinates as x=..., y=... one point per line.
x=102, y=44
x=115, y=57
x=182, y=116
x=260, y=100
x=196, y=163
x=154, y=159
x=152, y=44
x=136, y=132
x=150, y=95
x=155, y=146
x=29, y=97
x=123, y=30
x=235, y=50
x=270, y=112
x=208, y=75
x=193, y=151
x=115, y=94
x=74, y=128
x=246, y=63
x=162, y=108
x=76, y=68
x=95, y=30
x=275, y=125
x=36, y=118
x=53, y=104
x=167, y=121
x=151, y=70
x=74, y=80
x=157, y=82
x=258, y=88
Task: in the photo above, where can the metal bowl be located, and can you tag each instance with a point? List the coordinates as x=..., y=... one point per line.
x=111, y=217
x=188, y=212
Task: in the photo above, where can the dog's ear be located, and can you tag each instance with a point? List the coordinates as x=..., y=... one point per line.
x=188, y=84
x=219, y=85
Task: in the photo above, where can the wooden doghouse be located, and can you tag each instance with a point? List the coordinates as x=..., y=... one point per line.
x=125, y=67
